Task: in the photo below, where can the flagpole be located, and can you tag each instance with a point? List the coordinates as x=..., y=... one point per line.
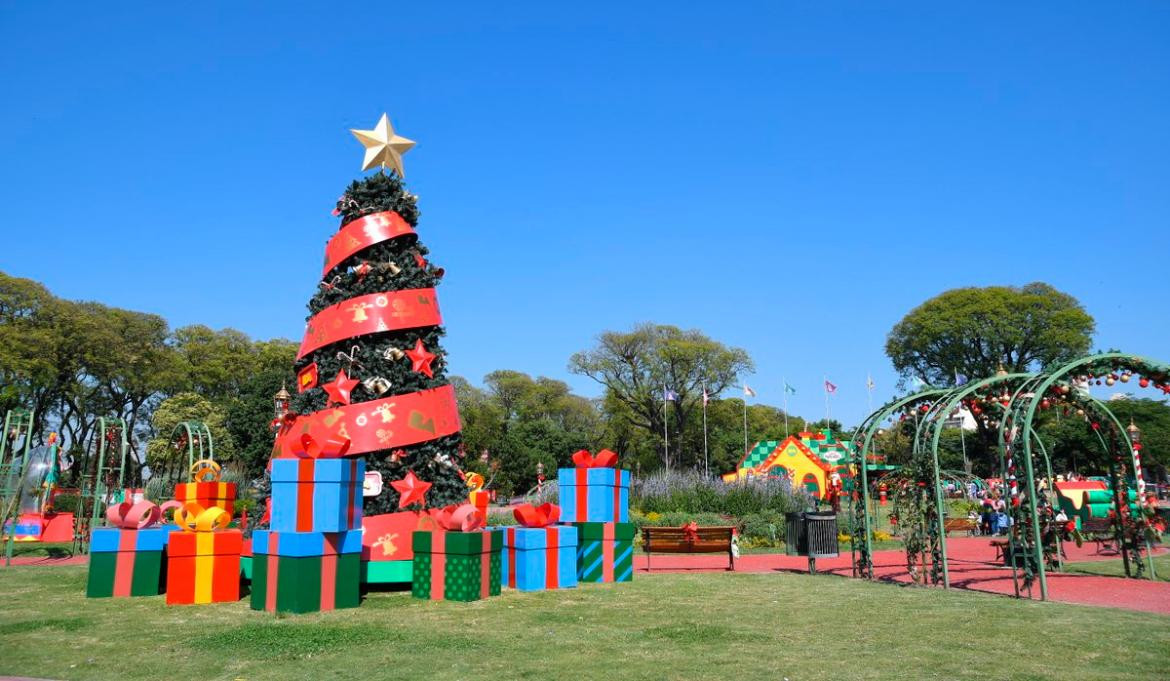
x=828, y=409
x=785, y=380
x=745, y=444
x=665, y=432
x=706, y=466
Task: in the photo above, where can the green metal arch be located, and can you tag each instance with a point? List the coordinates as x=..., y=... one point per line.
x=863, y=440
x=196, y=436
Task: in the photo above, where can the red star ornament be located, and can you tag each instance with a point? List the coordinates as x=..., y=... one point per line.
x=420, y=359
x=410, y=490
x=339, y=388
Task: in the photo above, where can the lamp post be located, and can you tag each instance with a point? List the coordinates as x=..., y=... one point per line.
x=280, y=402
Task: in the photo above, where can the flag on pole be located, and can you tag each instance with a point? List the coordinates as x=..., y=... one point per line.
x=747, y=391
x=789, y=389
x=669, y=395
x=829, y=387
x=869, y=384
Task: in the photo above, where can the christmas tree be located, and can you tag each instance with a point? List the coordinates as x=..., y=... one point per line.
x=371, y=373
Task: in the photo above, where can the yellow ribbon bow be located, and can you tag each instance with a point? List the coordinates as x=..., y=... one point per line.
x=192, y=517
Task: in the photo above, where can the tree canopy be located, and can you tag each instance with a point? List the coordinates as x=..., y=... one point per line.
x=973, y=331
x=637, y=366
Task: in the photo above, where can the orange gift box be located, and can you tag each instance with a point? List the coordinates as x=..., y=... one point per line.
x=204, y=567
x=208, y=494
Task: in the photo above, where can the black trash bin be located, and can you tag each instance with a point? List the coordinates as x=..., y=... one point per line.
x=821, y=534
x=795, y=539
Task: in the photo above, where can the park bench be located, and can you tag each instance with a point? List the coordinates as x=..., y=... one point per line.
x=675, y=540
x=1099, y=531
x=960, y=525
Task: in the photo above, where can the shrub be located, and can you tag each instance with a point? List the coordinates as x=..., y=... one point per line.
x=763, y=529
x=159, y=490
x=501, y=518
x=66, y=503
x=667, y=491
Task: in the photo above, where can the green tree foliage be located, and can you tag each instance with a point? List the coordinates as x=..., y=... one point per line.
x=635, y=367
x=170, y=463
x=973, y=331
x=520, y=421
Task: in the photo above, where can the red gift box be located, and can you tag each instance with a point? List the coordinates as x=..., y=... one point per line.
x=204, y=567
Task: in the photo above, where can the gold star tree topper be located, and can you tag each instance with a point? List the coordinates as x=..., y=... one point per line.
x=384, y=147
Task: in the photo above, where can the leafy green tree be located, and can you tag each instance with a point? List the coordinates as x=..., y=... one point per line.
x=167, y=462
x=636, y=366
x=973, y=331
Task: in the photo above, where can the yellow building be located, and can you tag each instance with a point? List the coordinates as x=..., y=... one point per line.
x=807, y=459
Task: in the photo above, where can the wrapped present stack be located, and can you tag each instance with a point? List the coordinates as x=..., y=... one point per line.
x=539, y=554
x=203, y=558
x=310, y=559
x=127, y=558
x=595, y=499
x=456, y=559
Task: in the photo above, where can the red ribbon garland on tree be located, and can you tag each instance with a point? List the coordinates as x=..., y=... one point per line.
x=371, y=313
x=361, y=234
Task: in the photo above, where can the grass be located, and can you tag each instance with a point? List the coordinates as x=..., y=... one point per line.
x=692, y=626
x=1115, y=568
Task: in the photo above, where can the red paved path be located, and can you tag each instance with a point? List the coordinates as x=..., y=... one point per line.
x=971, y=567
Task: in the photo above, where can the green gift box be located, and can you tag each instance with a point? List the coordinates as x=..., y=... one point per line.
x=456, y=566
x=605, y=552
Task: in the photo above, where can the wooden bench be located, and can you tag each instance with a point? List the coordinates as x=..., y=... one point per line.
x=1099, y=531
x=1000, y=546
x=960, y=525
x=674, y=540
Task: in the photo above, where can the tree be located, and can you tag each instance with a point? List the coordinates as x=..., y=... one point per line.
x=374, y=336
x=167, y=462
x=636, y=366
x=973, y=331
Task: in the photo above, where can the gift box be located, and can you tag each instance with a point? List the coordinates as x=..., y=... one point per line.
x=203, y=567
x=538, y=558
x=127, y=562
x=600, y=495
x=306, y=571
x=605, y=552
x=456, y=566
x=208, y=494
x=317, y=495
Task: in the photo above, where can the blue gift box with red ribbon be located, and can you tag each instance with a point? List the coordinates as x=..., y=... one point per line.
x=596, y=495
x=317, y=495
x=539, y=558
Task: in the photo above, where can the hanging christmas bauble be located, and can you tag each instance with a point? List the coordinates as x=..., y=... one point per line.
x=1125, y=377
x=1044, y=404
x=1144, y=382
x=1080, y=412
x=1110, y=381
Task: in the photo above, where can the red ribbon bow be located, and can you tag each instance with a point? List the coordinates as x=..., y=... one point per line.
x=330, y=448
x=604, y=459
x=459, y=518
x=691, y=532
x=537, y=516
x=131, y=516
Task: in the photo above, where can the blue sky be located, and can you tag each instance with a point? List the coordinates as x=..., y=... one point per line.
x=791, y=178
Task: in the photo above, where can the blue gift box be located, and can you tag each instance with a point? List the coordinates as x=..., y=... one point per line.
x=305, y=544
x=317, y=495
x=596, y=495
x=108, y=539
x=538, y=558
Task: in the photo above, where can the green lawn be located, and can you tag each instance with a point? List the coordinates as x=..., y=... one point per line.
x=1115, y=568
x=694, y=626
x=37, y=549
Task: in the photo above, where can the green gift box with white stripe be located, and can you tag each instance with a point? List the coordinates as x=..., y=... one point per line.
x=605, y=552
